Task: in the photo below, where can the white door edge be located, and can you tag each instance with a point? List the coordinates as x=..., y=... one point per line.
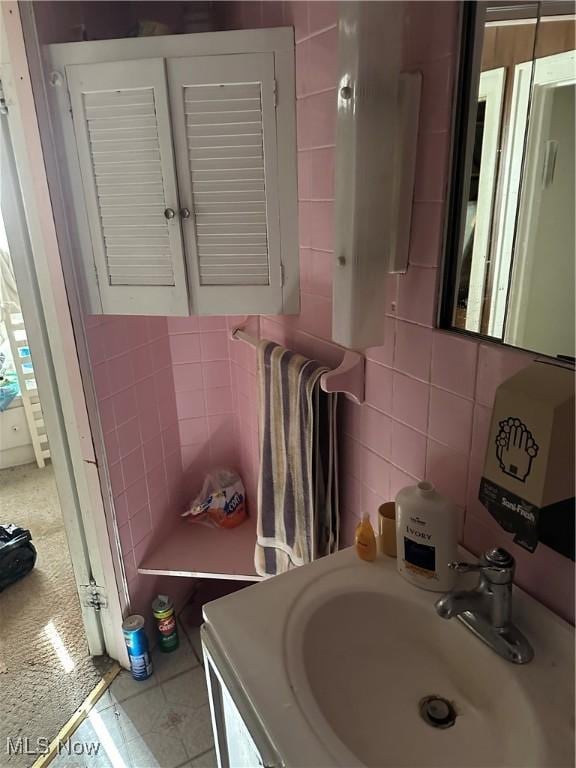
x=94, y=550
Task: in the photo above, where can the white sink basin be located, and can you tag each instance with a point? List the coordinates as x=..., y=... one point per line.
x=368, y=659
x=335, y=659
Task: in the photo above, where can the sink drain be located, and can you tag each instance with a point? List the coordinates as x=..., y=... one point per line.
x=437, y=712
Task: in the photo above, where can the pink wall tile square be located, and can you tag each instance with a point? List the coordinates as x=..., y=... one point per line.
x=371, y=501
x=426, y=234
x=214, y=345
x=321, y=274
x=322, y=54
x=350, y=493
x=133, y=467
x=193, y=431
x=417, y=296
x=448, y=471
x=304, y=224
x=296, y=14
x=182, y=324
x=216, y=374
x=111, y=447
x=322, y=14
x=188, y=376
x=350, y=418
x=454, y=363
x=140, y=525
x=185, y=348
x=116, y=478
x=106, y=412
x=451, y=420
x=125, y=537
x=156, y=481
x=304, y=169
x=495, y=365
x=190, y=405
x=125, y=405
x=410, y=401
x=375, y=473
x=379, y=386
x=322, y=225
x=153, y=453
x=149, y=423
x=171, y=439
x=315, y=314
x=316, y=120
x=272, y=13
x=399, y=480
x=384, y=353
x=322, y=173
x=141, y=358
x=121, y=509
x=437, y=95
x=101, y=381
x=212, y=323
x=136, y=497
x=480, y=430
x=128, y=436
x=351, y=458
x=413, y=350
x=432, y=164
x=160, y=354
x=408, y=450
x=219, y=400
x=376, y=431
x=120, y=373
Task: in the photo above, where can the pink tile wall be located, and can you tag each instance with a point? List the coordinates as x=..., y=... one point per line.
x=428, y=393
x=205, y=398
x=132, y=371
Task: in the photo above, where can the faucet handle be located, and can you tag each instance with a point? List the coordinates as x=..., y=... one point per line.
x=496, y=564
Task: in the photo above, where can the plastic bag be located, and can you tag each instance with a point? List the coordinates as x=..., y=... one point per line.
x=221, y=502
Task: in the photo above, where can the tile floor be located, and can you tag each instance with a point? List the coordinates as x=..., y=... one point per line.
x=162, y=722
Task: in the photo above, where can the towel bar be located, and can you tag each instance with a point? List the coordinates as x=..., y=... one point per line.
x=348, y=378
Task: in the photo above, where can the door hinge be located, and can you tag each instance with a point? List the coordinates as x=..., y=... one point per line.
x=93, y=596
x=3, y=106
x=275, y=92
x=282, y=274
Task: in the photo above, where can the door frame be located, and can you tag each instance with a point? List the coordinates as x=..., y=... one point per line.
x=47, y=309
x=550, y=72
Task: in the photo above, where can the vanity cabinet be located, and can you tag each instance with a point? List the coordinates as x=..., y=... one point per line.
x=180, y=158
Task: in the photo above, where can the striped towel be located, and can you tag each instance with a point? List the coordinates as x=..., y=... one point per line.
x=298, y=517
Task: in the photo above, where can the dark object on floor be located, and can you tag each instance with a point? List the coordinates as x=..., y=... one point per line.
x=17, y=554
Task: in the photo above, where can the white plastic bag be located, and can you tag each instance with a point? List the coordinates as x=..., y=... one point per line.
x=221, y=502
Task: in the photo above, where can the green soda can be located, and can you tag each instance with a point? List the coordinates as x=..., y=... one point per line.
x=163, y=610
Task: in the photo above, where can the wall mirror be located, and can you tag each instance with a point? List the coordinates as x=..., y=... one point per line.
x=509, y=270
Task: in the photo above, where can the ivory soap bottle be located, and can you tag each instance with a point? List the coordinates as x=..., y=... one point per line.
x=425, y=537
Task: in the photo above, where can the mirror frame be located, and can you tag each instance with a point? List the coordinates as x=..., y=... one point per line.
x=472, y=23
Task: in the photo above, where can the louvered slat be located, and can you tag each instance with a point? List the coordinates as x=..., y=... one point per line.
x=225, y=149
x=126, y=158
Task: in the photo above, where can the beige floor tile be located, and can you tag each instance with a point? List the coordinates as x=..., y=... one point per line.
x=157, y=750
x=197, y=732
x=188, y=688
x=168, y=665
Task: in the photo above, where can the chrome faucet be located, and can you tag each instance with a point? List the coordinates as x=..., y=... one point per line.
x=487, y=610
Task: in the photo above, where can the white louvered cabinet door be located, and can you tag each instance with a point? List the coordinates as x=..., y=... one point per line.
x=124, y=144
x=224, y=128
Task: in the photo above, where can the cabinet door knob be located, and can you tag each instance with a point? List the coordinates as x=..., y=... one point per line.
x=169, y=213
x=185, y=213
